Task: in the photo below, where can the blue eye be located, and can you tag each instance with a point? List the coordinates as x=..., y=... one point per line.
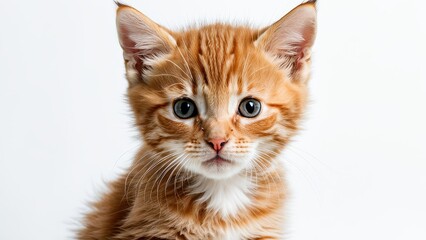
x=249, y=108
x=185, y=108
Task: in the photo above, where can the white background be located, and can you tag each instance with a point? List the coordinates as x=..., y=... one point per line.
x=356, y=171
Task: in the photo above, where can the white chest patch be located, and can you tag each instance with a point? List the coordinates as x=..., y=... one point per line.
x=231, y=235
x=225, y=196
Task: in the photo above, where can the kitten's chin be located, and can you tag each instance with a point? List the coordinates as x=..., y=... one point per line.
x=219, y=168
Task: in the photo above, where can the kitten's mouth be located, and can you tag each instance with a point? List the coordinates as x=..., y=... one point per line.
x=218, y=161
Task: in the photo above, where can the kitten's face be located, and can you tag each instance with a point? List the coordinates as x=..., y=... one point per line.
x=216, y=101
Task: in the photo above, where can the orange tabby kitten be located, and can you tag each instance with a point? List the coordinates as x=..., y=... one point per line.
x=215, y=106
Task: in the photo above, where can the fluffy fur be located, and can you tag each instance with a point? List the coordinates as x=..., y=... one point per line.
x=173, y=190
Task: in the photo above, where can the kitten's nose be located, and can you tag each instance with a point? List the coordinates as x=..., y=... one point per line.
x=217, y=143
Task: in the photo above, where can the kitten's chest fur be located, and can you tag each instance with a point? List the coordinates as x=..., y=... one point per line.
x=140, y=206
x=225, y=197
x=210, y=209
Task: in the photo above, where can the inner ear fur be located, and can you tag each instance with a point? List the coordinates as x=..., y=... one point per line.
x=290, y=39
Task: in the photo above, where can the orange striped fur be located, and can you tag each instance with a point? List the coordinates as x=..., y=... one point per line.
x=174, y=190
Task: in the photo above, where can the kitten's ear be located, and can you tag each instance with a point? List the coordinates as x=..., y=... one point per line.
x=143, y=41
x=289, y=40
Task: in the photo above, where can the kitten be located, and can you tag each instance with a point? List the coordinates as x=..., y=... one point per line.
x=215, y=106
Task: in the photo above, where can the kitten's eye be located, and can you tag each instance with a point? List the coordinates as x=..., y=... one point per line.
x=249, y=108
x=185, y=108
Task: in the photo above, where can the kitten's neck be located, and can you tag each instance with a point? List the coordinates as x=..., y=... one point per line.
x=224, y=196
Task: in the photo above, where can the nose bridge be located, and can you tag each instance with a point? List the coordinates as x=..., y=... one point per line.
x=216, y=128
x=217, y=125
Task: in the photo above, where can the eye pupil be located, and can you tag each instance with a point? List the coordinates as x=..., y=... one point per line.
x=185, y=108
x=250, y=106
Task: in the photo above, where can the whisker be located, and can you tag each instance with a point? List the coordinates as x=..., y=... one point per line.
x=179, y=167
x=168, y=75
x=184, y=59
x=160, y=161
x=133, y=167
x=172, y=166
x=266, y=170
x=138, y=161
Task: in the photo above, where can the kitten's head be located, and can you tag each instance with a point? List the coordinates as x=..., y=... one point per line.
x=221, y=100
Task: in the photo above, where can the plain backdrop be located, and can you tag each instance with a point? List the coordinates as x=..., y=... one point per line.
x=357, y=170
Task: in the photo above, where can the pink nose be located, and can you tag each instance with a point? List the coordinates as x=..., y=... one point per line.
x=217, y=143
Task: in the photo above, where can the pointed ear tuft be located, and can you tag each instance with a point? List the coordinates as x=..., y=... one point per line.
x=143, y=42
x=119, y=4
x=290, y=39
